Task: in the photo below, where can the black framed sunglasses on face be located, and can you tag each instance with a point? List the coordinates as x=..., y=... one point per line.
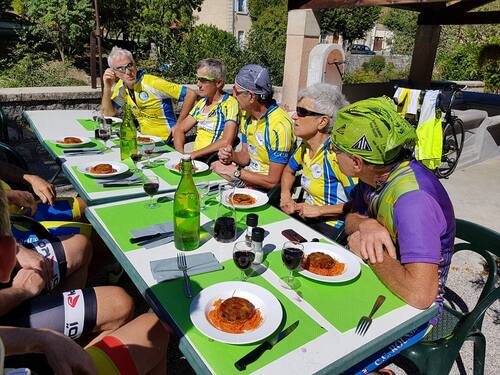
x=124, y=68
x=303, y=112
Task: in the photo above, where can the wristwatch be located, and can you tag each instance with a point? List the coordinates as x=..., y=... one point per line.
x=237, y=172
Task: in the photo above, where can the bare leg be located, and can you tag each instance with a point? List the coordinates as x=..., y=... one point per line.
x=114, y=308
x=146, y=339
x=78, y=251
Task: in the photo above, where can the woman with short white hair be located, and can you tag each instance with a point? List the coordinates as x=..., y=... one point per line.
x=326, y=187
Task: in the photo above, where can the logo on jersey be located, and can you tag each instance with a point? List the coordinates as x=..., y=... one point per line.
x=362, y=144
x=143, y=95
x=259, y=137
x=316, y=171
x=252, y=150
x=45, y=249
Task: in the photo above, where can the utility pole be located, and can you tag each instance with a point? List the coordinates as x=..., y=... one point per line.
x=96, y=36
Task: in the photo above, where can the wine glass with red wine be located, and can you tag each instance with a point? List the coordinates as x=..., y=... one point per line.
x=104, y=133
x=243, y=256
x=136, y=158
x=225, y=224
x=151, y=185
x=291, y=255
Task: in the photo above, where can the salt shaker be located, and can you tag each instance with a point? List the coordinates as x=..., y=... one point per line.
x=252, y=222
x=257, y=238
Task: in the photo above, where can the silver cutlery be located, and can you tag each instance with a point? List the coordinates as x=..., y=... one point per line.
x=182, y=265
x=366, y=321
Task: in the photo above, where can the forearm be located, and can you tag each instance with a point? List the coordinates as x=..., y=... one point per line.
x=179, y=139
x=188, y=103
x=107, y=107
x=241, y=158
x=22, y=340
x=287, y=180
x=332, y=210
x=10, y=298
x=352, y=222
x=415, y=283
x=267, y=181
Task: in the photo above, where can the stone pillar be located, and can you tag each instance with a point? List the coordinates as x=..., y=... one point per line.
x=301, y=36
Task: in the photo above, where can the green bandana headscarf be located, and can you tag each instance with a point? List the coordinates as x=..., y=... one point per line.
x=372, y=129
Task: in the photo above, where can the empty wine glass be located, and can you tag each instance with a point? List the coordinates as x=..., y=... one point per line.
x=243, y=256
x=203, y=190
x=151, y=185
x=148, y=149
x=291, y=254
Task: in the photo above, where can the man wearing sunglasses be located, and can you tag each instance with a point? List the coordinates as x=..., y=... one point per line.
x=151, y=98
x=327, y=189
x=266, y=132
x=215, y=115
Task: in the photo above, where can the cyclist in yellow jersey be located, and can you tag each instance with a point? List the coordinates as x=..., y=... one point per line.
x=327, y=189
x=215, y=115
x=150, y=97
x=267, y=135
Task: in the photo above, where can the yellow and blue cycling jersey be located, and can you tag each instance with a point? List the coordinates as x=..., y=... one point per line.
x=60, y=219
x=210, y=123
x=269, y=139
x=151, y=101
x=322, y=180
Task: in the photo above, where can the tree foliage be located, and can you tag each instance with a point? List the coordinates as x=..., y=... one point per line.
x=351, y=23
x=403, y=24
x=63, y=24
x=203, y=42
x=267, y=38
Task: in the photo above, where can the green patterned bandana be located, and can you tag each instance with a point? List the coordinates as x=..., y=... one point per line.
x=373, y=130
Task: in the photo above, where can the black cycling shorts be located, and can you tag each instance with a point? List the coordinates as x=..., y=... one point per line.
x=71, y=313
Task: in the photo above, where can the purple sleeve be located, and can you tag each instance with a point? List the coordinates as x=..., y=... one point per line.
x=358, y=199
x=419, y=222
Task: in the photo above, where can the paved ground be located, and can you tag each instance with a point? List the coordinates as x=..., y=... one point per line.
x=475, y=192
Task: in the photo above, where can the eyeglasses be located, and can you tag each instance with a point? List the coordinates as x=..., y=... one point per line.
x=303, y=112
x=204, y=79
x=124, y=68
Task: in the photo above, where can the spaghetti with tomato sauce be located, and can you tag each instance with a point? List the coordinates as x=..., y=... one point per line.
x=323, y=264
x=234, y=315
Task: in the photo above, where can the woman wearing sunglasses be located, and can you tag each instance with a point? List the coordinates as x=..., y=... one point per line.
x=215, y=115
x=326, y=187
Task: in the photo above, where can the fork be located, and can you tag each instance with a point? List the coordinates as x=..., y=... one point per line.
x=182, y=266
x=366, y=321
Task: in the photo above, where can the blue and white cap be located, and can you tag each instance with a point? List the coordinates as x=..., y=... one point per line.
x=255, y=78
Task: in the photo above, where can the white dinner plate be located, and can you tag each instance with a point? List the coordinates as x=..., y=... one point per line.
x=153, y=138
x=120, y=168
x=260, y=198
x=261, y=298
x=200, y=166
x=352, y=265
x=84, y=141
x=114, y=120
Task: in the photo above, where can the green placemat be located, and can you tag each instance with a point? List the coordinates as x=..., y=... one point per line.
x=342, y=304
x=89, y=184
x=220, y=356
x=88, y=124
x=122, y=218
x=59, y=151
x=173, y=178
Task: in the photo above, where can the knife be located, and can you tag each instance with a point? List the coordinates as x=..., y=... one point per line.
x=255, y=354
x=150, y=237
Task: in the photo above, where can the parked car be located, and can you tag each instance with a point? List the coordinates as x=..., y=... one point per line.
x=10, y=25
x=361, y=49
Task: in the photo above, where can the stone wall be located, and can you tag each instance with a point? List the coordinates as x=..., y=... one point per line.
x=355, y=62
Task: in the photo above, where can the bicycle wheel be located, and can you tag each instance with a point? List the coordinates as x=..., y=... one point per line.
x=453, y=142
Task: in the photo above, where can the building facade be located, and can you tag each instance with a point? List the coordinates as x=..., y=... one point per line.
x=228, y=15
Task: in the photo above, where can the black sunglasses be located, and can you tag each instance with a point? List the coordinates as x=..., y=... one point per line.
x=303, y=112
x=124, y=68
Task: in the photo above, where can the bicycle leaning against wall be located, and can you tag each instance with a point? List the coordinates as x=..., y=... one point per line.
x=453, y=135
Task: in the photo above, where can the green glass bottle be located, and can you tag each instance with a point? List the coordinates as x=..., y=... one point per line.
x=128, y=135
x=186, y=209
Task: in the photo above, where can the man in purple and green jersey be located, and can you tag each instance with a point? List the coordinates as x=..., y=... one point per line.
x=402, y=221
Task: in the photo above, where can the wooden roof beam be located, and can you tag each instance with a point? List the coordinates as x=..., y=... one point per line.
x=459, y=18
x=328, y=4
x=466, y=5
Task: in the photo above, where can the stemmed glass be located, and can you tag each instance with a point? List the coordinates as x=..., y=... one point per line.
x=225, y=224
x=148, y=149
x=243, y=256
x=151, y=185
x=291, y=255
x=104, y=133
x=203, y=190
x=136, y=158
